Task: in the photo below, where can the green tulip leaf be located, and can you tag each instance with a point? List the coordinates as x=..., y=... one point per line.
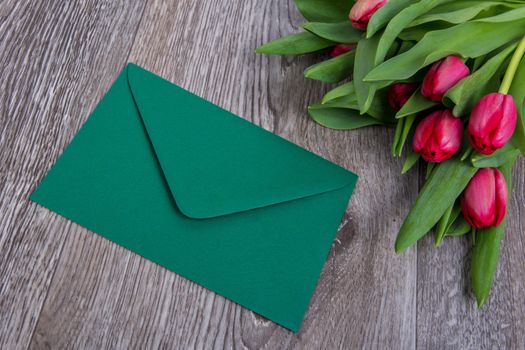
x=496, y=159
x=382, y=16
x=465, y=94
x=342, y=90
x=399, y=22
x=332, y=70
x=407, y=125
x=324, y=10
x=485, y=254
x=378, y=110
x=455, y=12
x=458, y=228
x=442, y=225
x=364, y=63
x=463, y=39
x=415, y=104
x=445, y=184
x=397, y=135
x=340, y=118
x=341, y=32
x=295, y=44
x=507, y=16
x=415, y=34
x=347, y=101
x=412, y=158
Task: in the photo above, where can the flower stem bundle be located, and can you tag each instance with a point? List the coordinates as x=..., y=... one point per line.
x=449, y=76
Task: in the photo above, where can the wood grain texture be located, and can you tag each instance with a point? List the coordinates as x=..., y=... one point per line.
x=51, y=56
x=62, y=286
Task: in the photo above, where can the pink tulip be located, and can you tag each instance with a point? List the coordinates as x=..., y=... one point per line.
x=438, y=136
x=340, y=49
x=484, y=201
x=399, y=93
x=442, y=76
x=363, y=10
x=492, y=122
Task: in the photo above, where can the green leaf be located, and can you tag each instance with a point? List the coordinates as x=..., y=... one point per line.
x=378, y=110
x=340, y=118
x=324, y=10
x=517, y=90
x=295, y=44
x=364, y=63
x=384, y=15
x=485, y=254
x=346, y=101
x=442, y=225
x=400, y=22
x=415, y=104
x=507, y=16
x=332, y=70
x=463, y=39
x=458, y=228
x=446, y=183
x=455, y=12
x=407, y=125
x=465, y=94
x=412, y=158
x=496, y=159
x=341, y=32
x=345, y=89
x=415, y=34
x=397, y=135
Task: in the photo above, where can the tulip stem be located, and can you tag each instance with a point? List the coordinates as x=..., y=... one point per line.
x=467, y=153
x=513, y=66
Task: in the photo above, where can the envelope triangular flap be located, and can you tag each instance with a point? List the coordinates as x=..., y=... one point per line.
x=216, y=163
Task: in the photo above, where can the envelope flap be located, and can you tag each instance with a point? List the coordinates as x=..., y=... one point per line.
x=216, y=163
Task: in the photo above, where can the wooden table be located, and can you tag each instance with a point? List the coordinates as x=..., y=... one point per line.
x=62, y=286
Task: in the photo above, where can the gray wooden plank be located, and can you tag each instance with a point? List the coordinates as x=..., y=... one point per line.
x=103, y=296
x=51, y=55
x=447, y=316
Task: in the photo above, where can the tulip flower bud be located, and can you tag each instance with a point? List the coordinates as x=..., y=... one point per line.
x=484, y=201
x=340, y=49
x=492, y=122
x=442, y=76
x=438, y=136
x=363, y=10
x=399, y=93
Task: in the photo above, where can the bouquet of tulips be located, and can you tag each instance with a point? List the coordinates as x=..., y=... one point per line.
x=450, y=75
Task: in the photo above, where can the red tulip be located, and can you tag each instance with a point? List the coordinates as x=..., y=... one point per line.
x=399, y=93
x=363, y=10
x=438, y=136
x=442, y=76
x=492, y=122
x=340, y=49
x=484, y=201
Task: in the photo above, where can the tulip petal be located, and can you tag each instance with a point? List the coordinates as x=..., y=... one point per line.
x=478, y=201
x=507, y=124
x=442, y=76
x=501, y=197
x=438, y=136
x=450, y=73
x=492, y=122
x=424, y=131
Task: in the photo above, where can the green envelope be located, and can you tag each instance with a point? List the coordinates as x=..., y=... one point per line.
x=202, y=192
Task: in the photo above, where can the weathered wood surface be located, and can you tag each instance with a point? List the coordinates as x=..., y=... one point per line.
x=62, y=286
